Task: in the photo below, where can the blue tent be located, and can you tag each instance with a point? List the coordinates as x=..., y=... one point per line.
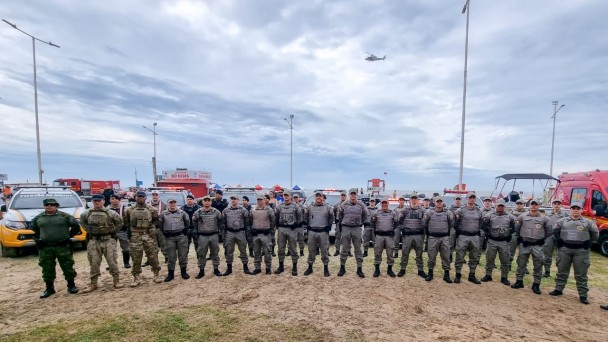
x=217, y=187
x=296, y=188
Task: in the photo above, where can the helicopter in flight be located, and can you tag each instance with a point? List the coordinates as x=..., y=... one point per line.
x=373, y=58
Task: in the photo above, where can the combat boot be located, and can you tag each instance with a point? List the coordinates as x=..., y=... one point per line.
x=360, y=272
x=184, y=273
x=301, y=252
x=294, y=269
x=326, y=271
x=72, y=289
x=246, y=269
x=473, y=279
x=125, y=259
x=228, y=270
x=92, y=287
x=376, y=271
x=584, y=300
x=422, y=274
x=268, y=270
x=256, y=271
x=251, y=252
x=157, y=279
x=116, y=282
x=216, y=272
x=446, y=277
x=457, y=278
x=401, y=273
x=547, y=274
x=389, y=271
x=201, y=273
x=505, y=281
x=308, y=270
x=337, y=252
x=170, y=276
x=365, y=253
x=50, y=290
x=536, y=288
x=429, y=276
x=136, y=281
x=280, y=270
x=342, y=271
x=556, y=292
x=486, y=278
x=519, y=284
x=396, y=254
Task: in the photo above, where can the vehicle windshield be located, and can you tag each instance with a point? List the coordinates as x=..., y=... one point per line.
x=449, y=200
x=164, y=197
x=252, y=195
x=332, y=199
x=34, y=201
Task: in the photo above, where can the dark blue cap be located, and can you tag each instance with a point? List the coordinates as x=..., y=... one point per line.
x=97, y=197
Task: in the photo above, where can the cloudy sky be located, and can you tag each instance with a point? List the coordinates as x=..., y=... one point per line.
x=219, y=77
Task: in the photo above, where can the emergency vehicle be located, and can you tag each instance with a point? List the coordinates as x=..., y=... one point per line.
x=590, y=188
x=88, y=187
x=195, y=182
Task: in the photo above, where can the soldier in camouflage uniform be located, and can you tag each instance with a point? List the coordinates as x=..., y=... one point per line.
x=52, y=232
x=262, y=226
x=468, y=227
x=288, y=219
x=368, y=231
x=121, y=234
x=351, y=213
x=159, y=206
x=499, y=227
x=555, y=215
x=574, y=236
x=207, y=222
x=142, y=220
x=236, y=218
x=101, y=225
x=438, y=224
x=412, y=232
x=173, y=223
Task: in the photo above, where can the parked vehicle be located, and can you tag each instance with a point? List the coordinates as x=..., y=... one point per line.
x=165, y=192
x=88, y=187
x=332, y=198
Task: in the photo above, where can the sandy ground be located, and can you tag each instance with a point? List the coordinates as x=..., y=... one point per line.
x=372, y=308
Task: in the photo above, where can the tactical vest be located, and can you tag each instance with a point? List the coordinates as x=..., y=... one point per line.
x=553, y=217
x=173, y=222
x=141, y=218
x=500, y=225
x=385, y=220
x=318, y=216
x=398, y=212
x=575, y=231
x=261, y=219
x=234, y=218
x=190, y=211
x=99, y=222
x=207, y=221
x=485, y=211
x=438, y=222
x=516, y=212
x=532, y=228
x=53, y=228
x=287, y=215
x=352, y=214
x=454, y=207
x=470, y=220
x=370, y=212
x=413, y=219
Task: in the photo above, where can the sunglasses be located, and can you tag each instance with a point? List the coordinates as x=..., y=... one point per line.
x=206, y=200
x=49, y=205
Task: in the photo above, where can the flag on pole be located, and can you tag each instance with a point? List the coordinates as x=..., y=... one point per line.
x=385, y=173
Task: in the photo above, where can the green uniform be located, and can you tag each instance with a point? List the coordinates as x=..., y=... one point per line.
x=52, y=234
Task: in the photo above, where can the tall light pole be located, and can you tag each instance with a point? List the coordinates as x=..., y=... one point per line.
x=34, y=39
x=555, y=110
x=153, y=130
x=290, y=123
x=467, y=9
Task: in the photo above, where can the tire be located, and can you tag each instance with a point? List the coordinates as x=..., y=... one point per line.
x=9, y=252
x=603, y=245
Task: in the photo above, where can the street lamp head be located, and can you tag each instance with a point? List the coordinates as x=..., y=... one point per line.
x=562, y=106
x=155, y=124
x=291, y=116
x=13, y=25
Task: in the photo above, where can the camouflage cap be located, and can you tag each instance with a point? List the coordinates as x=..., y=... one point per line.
x=353, y=190
x=500, y=201
x=576, y=204
x=487, y=199
x=520, y=201
x=261, y=196
x=50, y=201
x=535, y=201
x=471, y=194
x=457, y=197
x=439, y=199
x=207, y=198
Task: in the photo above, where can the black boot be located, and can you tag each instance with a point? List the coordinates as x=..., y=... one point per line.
x=519, y=284
x=389, y=271
x=473, y=279
x=216, y=272
x=326, y=270
x=547, y=274
x=228, y=270
x=422, y=274
x=268, y=270
x=308, y=270
x=251, y=252
x=396, y=254
x=246, y=269
x=280, y=270
x=184, y=273
x=288, y=253
x=584, y=300
x=376, y=271
x=446, y=277
x=350, y=254
x=145, y=264
x=256, y=271
x=294, y=269
x=365, y=254
x=401, y=273
x=505, y=281
x=556, y=292
x=301, y=252
x=360, y=272
x=486, y=278
x=337, y=252
x=50, y=290
x=170, y=276
x=125, y=259
x=536, y=288
x=342, y=271
x=457, y=278
x=429, y=275
x=72, y=287
x=201, y=273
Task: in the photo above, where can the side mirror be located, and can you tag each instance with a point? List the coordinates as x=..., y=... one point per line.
x=600, y=210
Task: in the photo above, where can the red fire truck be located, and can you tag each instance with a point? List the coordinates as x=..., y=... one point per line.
x=195, y=182
x=88, y=187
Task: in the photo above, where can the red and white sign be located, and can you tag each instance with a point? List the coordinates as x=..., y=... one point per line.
x=187, y=174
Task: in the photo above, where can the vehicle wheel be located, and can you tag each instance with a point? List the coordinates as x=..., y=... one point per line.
x=603, y=244
x=9, y=252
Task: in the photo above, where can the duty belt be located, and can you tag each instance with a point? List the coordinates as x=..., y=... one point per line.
x=235, y=230
x=499, y=238
x=468, y=233
x=405, y=232
x=539, y=242
x=262, y=232
x=576, y=245
x=385, y=233
x=207, y=233
x=292, y=227
x=176, y=233
x=348, y=225
x=438, y=235
x=317, y=229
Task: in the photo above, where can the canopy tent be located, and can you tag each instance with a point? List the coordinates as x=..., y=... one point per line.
x=514, y=195
x=259, y=187
x=296, y=187
x=217, y=187
x=277, y=188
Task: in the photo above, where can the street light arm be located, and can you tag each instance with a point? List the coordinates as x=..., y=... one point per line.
x=29, y=35
x=153, y=132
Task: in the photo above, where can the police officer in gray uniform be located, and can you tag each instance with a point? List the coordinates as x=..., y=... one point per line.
x=301, y=237
x=556, y=214
x=318, y=218
x=532, y=229
x=207, y=221
x=468, y=227
x=413, y=235
x=351, y=214
x=574, y=236
x=338, y=236
x=485, y=210
x=383, y=222
x=236, y=218
x=399, y=226
x=248, y=206
x=368, y=232
x=174, y=224
x=498, y=227
x=262, y=227
x=288, y=220
x=438, y=224
x=455, y=206
x=517, y=211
